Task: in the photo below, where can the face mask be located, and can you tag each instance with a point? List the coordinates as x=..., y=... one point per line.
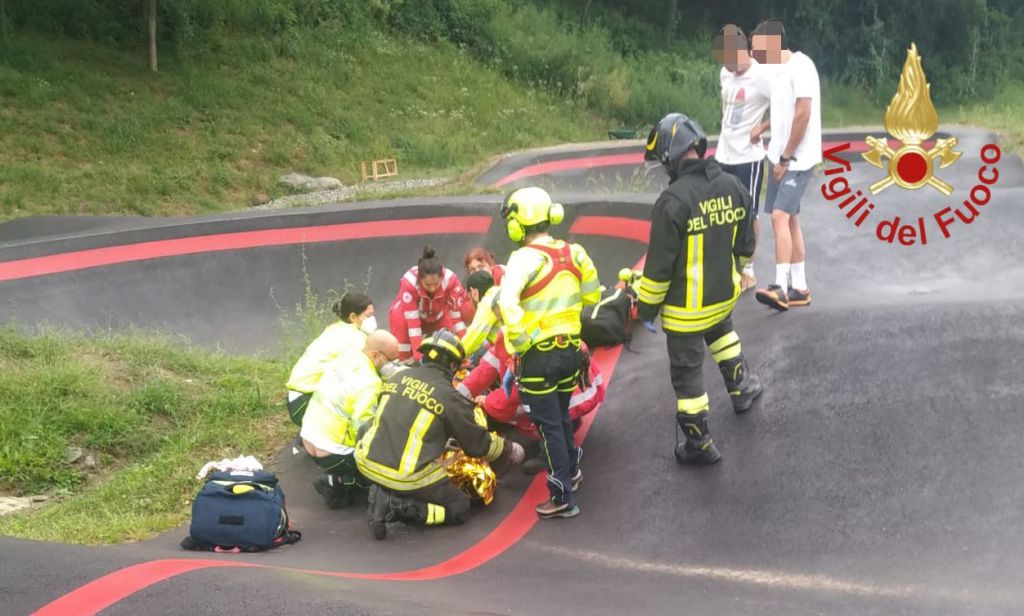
x=369, y=325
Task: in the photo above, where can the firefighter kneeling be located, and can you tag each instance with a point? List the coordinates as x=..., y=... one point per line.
x=419, y=411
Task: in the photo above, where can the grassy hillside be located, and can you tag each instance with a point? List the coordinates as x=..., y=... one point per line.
x=250, y=91
x=148, y=411
x=85, y=129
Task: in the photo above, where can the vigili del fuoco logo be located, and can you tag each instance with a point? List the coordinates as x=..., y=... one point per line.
x=910, y=118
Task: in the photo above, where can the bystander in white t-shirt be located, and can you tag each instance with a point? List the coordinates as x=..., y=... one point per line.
x=745, y=98
x=797, y=78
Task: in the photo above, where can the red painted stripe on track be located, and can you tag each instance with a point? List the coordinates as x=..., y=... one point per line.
x=98, y=257
x=118, y=585
x=103, y=592
x=570, y=164
x=637, y=158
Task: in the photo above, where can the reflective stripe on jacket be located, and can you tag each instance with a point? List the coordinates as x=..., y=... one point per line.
x=419, y=410
x=700, y=234
x=542, y=296
x=417, y=307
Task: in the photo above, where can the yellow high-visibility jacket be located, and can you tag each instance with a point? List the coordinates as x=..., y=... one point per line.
x=485, y=325
x=545, y=286
x=344, y=400
x=337, y=338
x=700, y=238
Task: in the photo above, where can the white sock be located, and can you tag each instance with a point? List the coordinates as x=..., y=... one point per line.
x=748, y=269
x=782, y=275
x=799, y=277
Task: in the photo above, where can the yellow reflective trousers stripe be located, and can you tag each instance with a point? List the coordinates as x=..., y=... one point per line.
x=725, y=348
x=692, y=406
x=435, y=514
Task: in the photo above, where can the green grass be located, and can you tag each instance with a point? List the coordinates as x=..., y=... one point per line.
x=1003, y=114
x=151, y=408
x=86, y=130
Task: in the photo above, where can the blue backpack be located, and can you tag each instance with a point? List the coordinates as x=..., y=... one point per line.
x=240, y=511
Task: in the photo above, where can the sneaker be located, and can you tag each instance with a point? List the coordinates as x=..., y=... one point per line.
x=747, y=281
x=335, y=495
x=577, y=479
x=378, y=512
x=548, y=509
x=773, y=297
x=799, y=298
x=696, y=452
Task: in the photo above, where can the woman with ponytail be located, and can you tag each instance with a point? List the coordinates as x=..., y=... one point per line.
x=430, y=297
x=356, y=322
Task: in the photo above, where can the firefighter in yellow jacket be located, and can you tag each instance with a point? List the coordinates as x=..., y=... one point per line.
x=700, y=240
x=546, y=284
x=419, y=411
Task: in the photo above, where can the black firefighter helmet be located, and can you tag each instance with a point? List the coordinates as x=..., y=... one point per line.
x=444, y=349
x=672, y=137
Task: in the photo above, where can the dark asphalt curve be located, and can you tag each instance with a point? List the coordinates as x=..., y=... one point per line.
x=881, y=473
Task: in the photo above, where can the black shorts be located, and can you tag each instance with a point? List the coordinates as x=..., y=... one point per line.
x=751, y=175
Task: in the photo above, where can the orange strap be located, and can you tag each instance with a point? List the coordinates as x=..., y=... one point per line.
x=561, y=261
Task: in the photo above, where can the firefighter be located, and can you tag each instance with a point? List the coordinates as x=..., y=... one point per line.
x=419, y=411
x=701, y=238
x=430, y=297
x=546, y=284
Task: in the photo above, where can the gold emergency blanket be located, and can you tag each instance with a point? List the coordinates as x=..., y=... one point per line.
x=473, y=475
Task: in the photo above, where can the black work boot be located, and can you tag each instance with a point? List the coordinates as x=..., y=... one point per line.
x=336, y=494
x=743, y=385
x=380, y=511
x=699, y=447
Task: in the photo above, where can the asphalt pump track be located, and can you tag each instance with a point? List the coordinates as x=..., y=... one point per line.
x=882, y=471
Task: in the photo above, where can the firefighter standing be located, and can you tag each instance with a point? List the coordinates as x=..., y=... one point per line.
x=419, y=411
x=700, y=240
x=545, y=286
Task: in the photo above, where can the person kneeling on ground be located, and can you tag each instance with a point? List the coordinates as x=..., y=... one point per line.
x=355, y=311
x=345, y=399
x=430, y=298
x=400, y=452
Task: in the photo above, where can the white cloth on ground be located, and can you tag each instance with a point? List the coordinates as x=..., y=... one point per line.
x=241, y=463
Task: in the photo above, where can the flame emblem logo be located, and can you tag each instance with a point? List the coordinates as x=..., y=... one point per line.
x=912, y=119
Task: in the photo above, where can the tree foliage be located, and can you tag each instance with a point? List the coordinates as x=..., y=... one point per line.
x=613, y=55
x=968, y=46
